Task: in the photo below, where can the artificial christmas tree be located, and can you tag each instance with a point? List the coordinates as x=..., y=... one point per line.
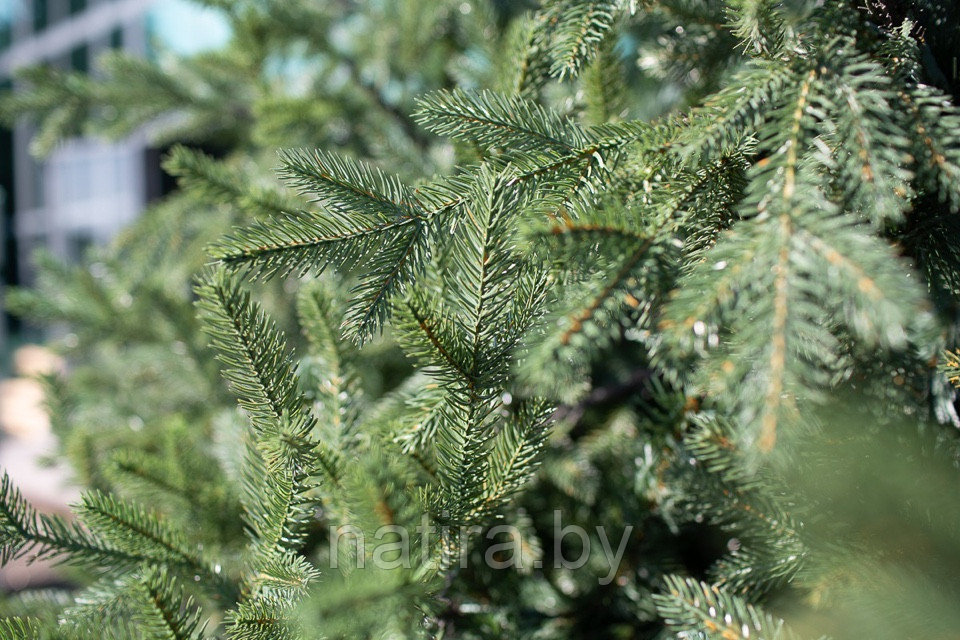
x=673, y=375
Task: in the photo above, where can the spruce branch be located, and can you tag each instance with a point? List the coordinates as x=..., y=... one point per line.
x=724, y=489
x=217, y=182
x=139, y=533
x=735, y=112
x=164, y=612
x=146, y=470
x=51, y=537
x=278, y=493
x=19, y=629
x=576, y=31
x=689, y=606
x=622, y=263
x=872, y=151
x=368, y=219
x=932, y=119
x=462, y=445
x=526, y=60
x=514, y=455
x=495, y=121
x=347, y=186
x=759, y=24
x=330, y=371
x=604, y=87
x=261, y=619
x=286, y=575
x=258, y=364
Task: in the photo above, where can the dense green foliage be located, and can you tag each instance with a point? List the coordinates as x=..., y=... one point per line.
x=676, y=274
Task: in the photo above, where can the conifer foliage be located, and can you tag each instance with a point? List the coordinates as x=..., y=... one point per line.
x=644, y=321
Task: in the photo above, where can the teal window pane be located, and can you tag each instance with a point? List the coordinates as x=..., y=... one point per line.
x=40, y=15
x=116, y=39
x=80, y=59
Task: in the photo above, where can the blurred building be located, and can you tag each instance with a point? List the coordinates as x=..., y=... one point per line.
x=86, y=190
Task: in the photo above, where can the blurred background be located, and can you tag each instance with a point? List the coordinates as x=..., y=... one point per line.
x=81, y=194
x=86, y=190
